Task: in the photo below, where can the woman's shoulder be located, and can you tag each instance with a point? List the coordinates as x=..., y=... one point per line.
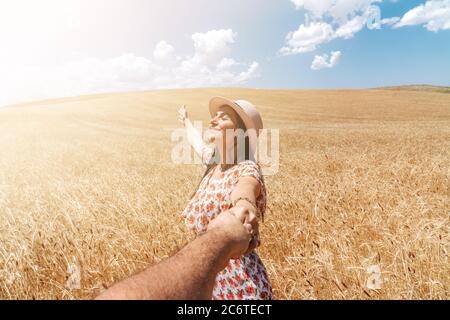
x=249, y=167
x=248, y=163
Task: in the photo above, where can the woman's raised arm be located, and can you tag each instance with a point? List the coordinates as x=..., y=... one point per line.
x=193, y=135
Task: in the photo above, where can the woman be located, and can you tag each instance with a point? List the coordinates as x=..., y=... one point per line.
x=232, y=179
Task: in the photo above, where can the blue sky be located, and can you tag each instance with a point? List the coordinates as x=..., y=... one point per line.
x=56, y=49
x=408, y=55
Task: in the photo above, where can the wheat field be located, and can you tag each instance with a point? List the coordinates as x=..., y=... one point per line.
x=358, y=210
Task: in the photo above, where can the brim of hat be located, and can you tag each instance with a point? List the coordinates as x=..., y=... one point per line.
x=217, y=102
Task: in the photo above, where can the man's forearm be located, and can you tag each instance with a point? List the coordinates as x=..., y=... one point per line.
x=190, y=274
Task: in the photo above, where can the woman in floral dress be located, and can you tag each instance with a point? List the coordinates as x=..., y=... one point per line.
x=232, y=179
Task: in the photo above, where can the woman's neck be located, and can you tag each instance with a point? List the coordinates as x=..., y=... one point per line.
x=227, y=158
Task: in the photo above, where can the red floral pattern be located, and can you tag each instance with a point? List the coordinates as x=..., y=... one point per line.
x=245, y=278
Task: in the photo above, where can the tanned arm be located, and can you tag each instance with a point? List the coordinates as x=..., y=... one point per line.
x=189, y=274
x=248, y=187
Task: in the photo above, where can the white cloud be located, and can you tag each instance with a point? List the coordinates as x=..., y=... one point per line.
x=337, y=10
x=434, y=15
x=163, y=51
x=252, y=72
x=307, y=38
x=212, y=46
x=328, y=20
x=344, y=10
x=351, y=27
x=84, y=76
x=322, y=62
x=316, y=8
x=209, y=65
x=226, y=63
x=390, y=21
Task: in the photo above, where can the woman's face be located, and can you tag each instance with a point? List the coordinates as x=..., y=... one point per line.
x=225, y=119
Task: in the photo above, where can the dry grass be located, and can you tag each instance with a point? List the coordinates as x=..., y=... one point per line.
x=363, y=181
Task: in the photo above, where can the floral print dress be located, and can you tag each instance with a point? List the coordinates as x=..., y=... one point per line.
x=245, y=278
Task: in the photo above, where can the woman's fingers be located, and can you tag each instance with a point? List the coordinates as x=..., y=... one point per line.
x=246, y=216
x=249, y=228
x=251, y=223
x=182, y=113
x=252, y=245
x=253, y=219
x=182, y=110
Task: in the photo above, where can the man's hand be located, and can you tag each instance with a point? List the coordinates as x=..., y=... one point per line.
x=236, y=226
x=229, y=225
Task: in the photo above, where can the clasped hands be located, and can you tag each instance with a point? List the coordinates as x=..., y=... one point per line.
x=240, y=228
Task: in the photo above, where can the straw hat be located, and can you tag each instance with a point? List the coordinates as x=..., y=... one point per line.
x=247, y=111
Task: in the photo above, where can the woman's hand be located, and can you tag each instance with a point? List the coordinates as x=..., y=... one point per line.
x=252, y=218
x=182, y=114
x=251, y=223
x=244, y=196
